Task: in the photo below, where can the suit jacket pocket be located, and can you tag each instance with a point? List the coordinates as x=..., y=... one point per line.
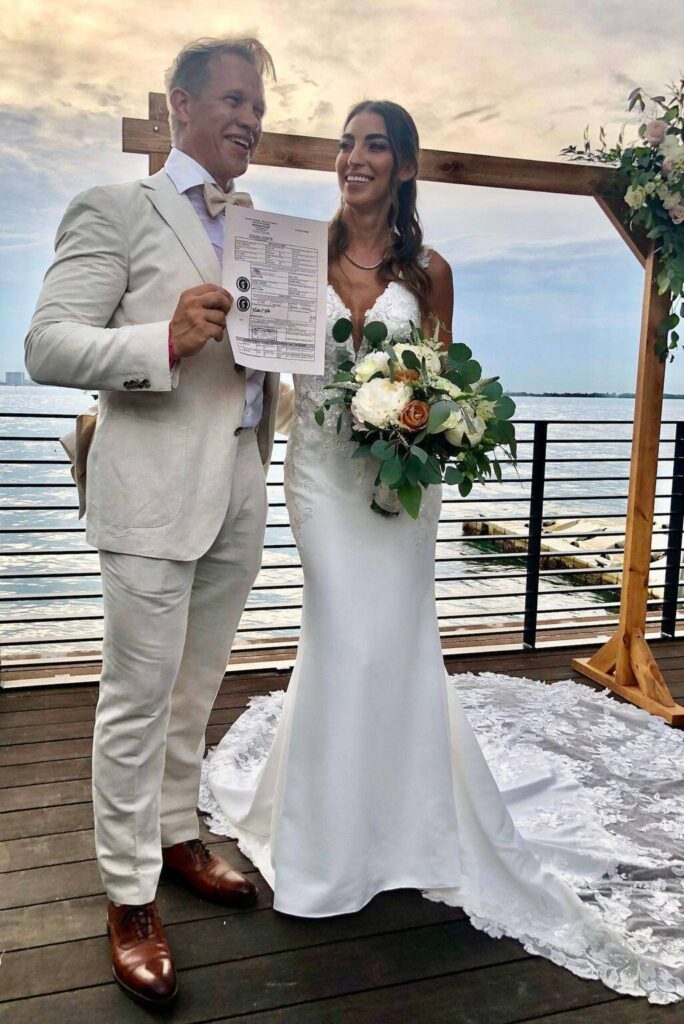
x=142, y=472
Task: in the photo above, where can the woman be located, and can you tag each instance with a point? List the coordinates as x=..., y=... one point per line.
x=371, y=777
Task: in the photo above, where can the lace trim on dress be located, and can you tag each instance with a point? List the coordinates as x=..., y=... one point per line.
x=625, y=798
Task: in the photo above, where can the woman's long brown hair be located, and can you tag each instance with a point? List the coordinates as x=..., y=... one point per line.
x=400, y=260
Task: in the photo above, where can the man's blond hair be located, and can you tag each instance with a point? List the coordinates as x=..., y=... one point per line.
x=191, y=68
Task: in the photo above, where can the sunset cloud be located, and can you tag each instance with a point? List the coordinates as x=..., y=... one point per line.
x=512, y=77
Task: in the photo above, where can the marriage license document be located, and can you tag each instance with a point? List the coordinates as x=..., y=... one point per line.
x=276, y=268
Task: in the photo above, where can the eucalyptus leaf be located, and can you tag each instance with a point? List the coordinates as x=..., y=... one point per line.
x=319, y=416
x=453, y=476
x=504, y=408
x=342, y=330
x=471, y=371
x=375, y=333
x=410, y=360
x=491, y=391
x=419, y=453
x=409, y=496
x=412, y=469
x=439, y=414
x=382, y=450
x=465, y=487
x=391, y=471
x=459, y=353
x=431, y=473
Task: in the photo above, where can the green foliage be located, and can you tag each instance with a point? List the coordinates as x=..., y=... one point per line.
x=651, y=193
x=409, y=496
x=505, y=408
x=410, y=360
x=439, y=414
x=375, y=333
x=453, y=475
x=342, y=330
x=391, y=471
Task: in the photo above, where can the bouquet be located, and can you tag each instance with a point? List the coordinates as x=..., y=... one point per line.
x=649, y=177
x=427, y=415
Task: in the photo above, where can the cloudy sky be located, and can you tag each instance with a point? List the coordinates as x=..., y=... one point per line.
x=546, y=293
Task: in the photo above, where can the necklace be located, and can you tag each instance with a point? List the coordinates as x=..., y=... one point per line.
x=360, y=265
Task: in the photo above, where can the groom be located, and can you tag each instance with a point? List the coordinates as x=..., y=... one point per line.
x=132, y=307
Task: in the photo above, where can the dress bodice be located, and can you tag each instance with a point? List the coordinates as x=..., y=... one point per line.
x=397, y=307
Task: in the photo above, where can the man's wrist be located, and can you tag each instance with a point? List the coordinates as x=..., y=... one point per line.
x=174, y=358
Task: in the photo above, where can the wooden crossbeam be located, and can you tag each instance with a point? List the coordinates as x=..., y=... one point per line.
x=305, y=152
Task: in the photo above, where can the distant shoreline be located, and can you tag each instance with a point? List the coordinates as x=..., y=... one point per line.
x=578, y=394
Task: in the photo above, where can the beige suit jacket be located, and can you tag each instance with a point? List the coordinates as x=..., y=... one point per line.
x=161, y=461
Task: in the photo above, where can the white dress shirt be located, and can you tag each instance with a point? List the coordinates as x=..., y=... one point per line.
x=188, y=176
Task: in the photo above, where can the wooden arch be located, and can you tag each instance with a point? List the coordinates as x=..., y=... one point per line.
x=625, y=663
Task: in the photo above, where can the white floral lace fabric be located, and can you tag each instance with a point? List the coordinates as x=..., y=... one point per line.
x=595, y=787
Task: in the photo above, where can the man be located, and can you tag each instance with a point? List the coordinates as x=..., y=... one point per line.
x=132, y=307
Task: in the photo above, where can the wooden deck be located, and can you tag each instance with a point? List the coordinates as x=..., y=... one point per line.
x=402, y=959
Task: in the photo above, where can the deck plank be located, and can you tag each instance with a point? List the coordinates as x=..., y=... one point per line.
x=401, y=959
x=487, y=982
x=72, y=965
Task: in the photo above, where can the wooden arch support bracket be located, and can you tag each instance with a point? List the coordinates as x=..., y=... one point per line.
x=642, y=683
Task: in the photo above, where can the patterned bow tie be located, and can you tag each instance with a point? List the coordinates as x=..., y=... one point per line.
x=217, y=200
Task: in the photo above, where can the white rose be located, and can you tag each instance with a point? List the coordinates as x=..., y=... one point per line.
x=635, y=196
x=670, y=146
x=446, y=385
x=374, y=362
x=456, y=429
x=671, y=200
x=432, y=360
x=380, y=401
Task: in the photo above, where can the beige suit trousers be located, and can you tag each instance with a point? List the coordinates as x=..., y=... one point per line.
x=169, y=627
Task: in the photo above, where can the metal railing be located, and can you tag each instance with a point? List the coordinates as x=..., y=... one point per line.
x=484, y=592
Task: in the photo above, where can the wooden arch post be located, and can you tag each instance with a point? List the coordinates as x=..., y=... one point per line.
x=625, y=663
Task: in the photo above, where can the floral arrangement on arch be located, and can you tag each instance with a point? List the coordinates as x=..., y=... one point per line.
x=649, y=176
x=425, y=414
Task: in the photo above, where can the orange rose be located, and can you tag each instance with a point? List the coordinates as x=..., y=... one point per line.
x=404, y=375
x=414, y=415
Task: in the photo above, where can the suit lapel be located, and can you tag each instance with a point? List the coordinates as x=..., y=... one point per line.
x=185, y=224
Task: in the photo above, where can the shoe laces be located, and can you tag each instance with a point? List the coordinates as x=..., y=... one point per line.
x=199, y=850
x=140, y=920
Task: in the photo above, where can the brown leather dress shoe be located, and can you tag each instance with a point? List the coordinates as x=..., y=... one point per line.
x=141, y=958
x=198, y=869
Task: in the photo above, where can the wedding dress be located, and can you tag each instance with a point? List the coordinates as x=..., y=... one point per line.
x=367, y=774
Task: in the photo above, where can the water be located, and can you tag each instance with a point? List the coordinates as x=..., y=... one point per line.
x=466, y=593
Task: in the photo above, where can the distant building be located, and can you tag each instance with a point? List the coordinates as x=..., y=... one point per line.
x=12, y=379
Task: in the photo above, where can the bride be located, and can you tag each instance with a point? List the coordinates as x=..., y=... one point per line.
x=367, y=775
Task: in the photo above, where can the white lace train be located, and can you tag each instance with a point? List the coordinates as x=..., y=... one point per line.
x=596, y=790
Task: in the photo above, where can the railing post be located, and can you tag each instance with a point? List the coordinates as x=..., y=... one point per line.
x=673, y=556
x=534, y=531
